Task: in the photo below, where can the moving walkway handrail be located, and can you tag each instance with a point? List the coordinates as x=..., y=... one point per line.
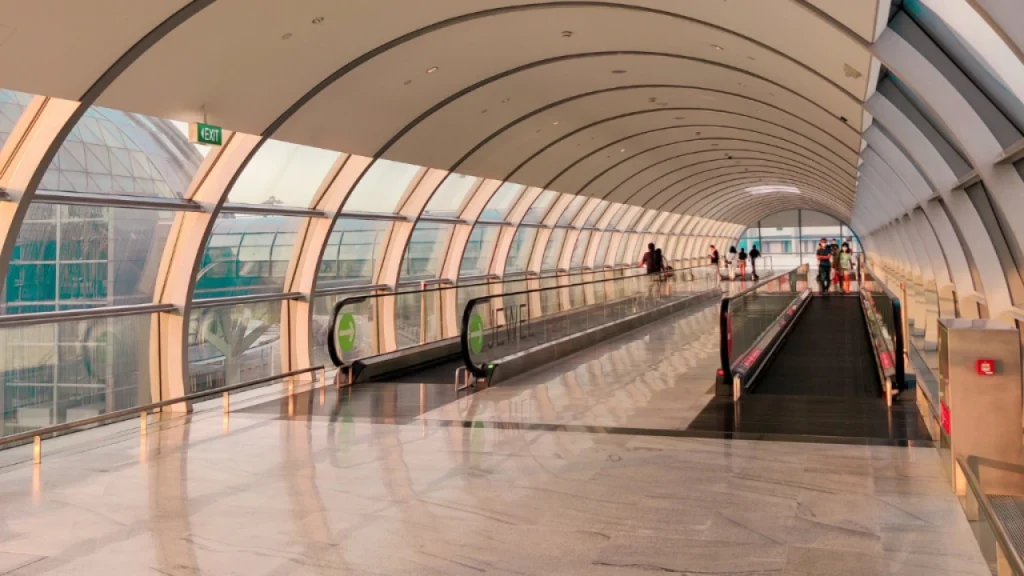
x=725, y=334
x=467, y=312
x=1012, y=555
x=437, y=286
x=895, y=323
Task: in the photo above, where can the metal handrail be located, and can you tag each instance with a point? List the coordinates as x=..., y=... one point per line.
x=466, y=312
x=490, y=280
x=1012, y=554
x=51, y=431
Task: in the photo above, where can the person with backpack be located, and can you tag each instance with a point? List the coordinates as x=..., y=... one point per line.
x=651, y=260
x=754, y=255
x=743, y=262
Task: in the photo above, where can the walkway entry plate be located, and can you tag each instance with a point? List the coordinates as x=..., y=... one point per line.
x=345, y=332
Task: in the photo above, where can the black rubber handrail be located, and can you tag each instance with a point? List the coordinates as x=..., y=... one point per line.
x=467, y=312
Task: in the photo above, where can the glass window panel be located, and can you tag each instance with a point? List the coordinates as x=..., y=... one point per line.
x=644, y=223
x=425, y=253
x=571, y=210
x=602, y=207
x=114, y=152
x=502, y=201
x=620, y=256
x=67, y=371
x=630, y=218
x=246, y=255
x=519, y=253
x=283, y=173
x=620, y=211
x=553, y=249
x=352, y=252
x=977, y=49
x=233, y=344
x=450, y=195
x=12, y=104
x=602, y=249
x=579, y=252
x=477, y=257
x=73, y=257
x=540, y=207
x=382, y=187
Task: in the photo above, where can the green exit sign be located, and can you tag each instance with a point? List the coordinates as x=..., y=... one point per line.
x=199, y=133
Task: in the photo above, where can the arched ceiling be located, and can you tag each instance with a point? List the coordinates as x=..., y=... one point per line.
x=680, y=106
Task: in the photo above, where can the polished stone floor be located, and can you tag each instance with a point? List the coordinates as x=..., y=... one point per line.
x=572, y=469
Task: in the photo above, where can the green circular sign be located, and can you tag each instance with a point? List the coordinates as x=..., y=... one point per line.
x=476, y=333
x=345, y=332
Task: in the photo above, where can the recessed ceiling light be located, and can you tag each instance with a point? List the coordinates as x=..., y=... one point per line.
x=717, y=47
x=566, y=33
x=432, y=69
x=286, y=36
x=318, y=19
x=773, y=188
x=618, y=71
x=505, y=101
x=622, y=149
x=555, y=123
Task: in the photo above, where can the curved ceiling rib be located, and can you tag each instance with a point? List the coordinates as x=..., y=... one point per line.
x=727, y=207
x=462, y=18
x=625, y=140
x=699, y=139
x=677, y=182
x=736, y=153
x=573, y=99
x=695, y=198
x=737, y=170
x=507, y=73
x=733, y=161
x=663, y=130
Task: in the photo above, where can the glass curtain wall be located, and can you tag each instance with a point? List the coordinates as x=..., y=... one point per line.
x=791, y=238
x=105, y=251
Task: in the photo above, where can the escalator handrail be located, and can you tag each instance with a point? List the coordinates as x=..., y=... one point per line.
x=478, y=371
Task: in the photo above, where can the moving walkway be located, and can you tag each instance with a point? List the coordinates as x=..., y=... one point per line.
x=479, y=327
